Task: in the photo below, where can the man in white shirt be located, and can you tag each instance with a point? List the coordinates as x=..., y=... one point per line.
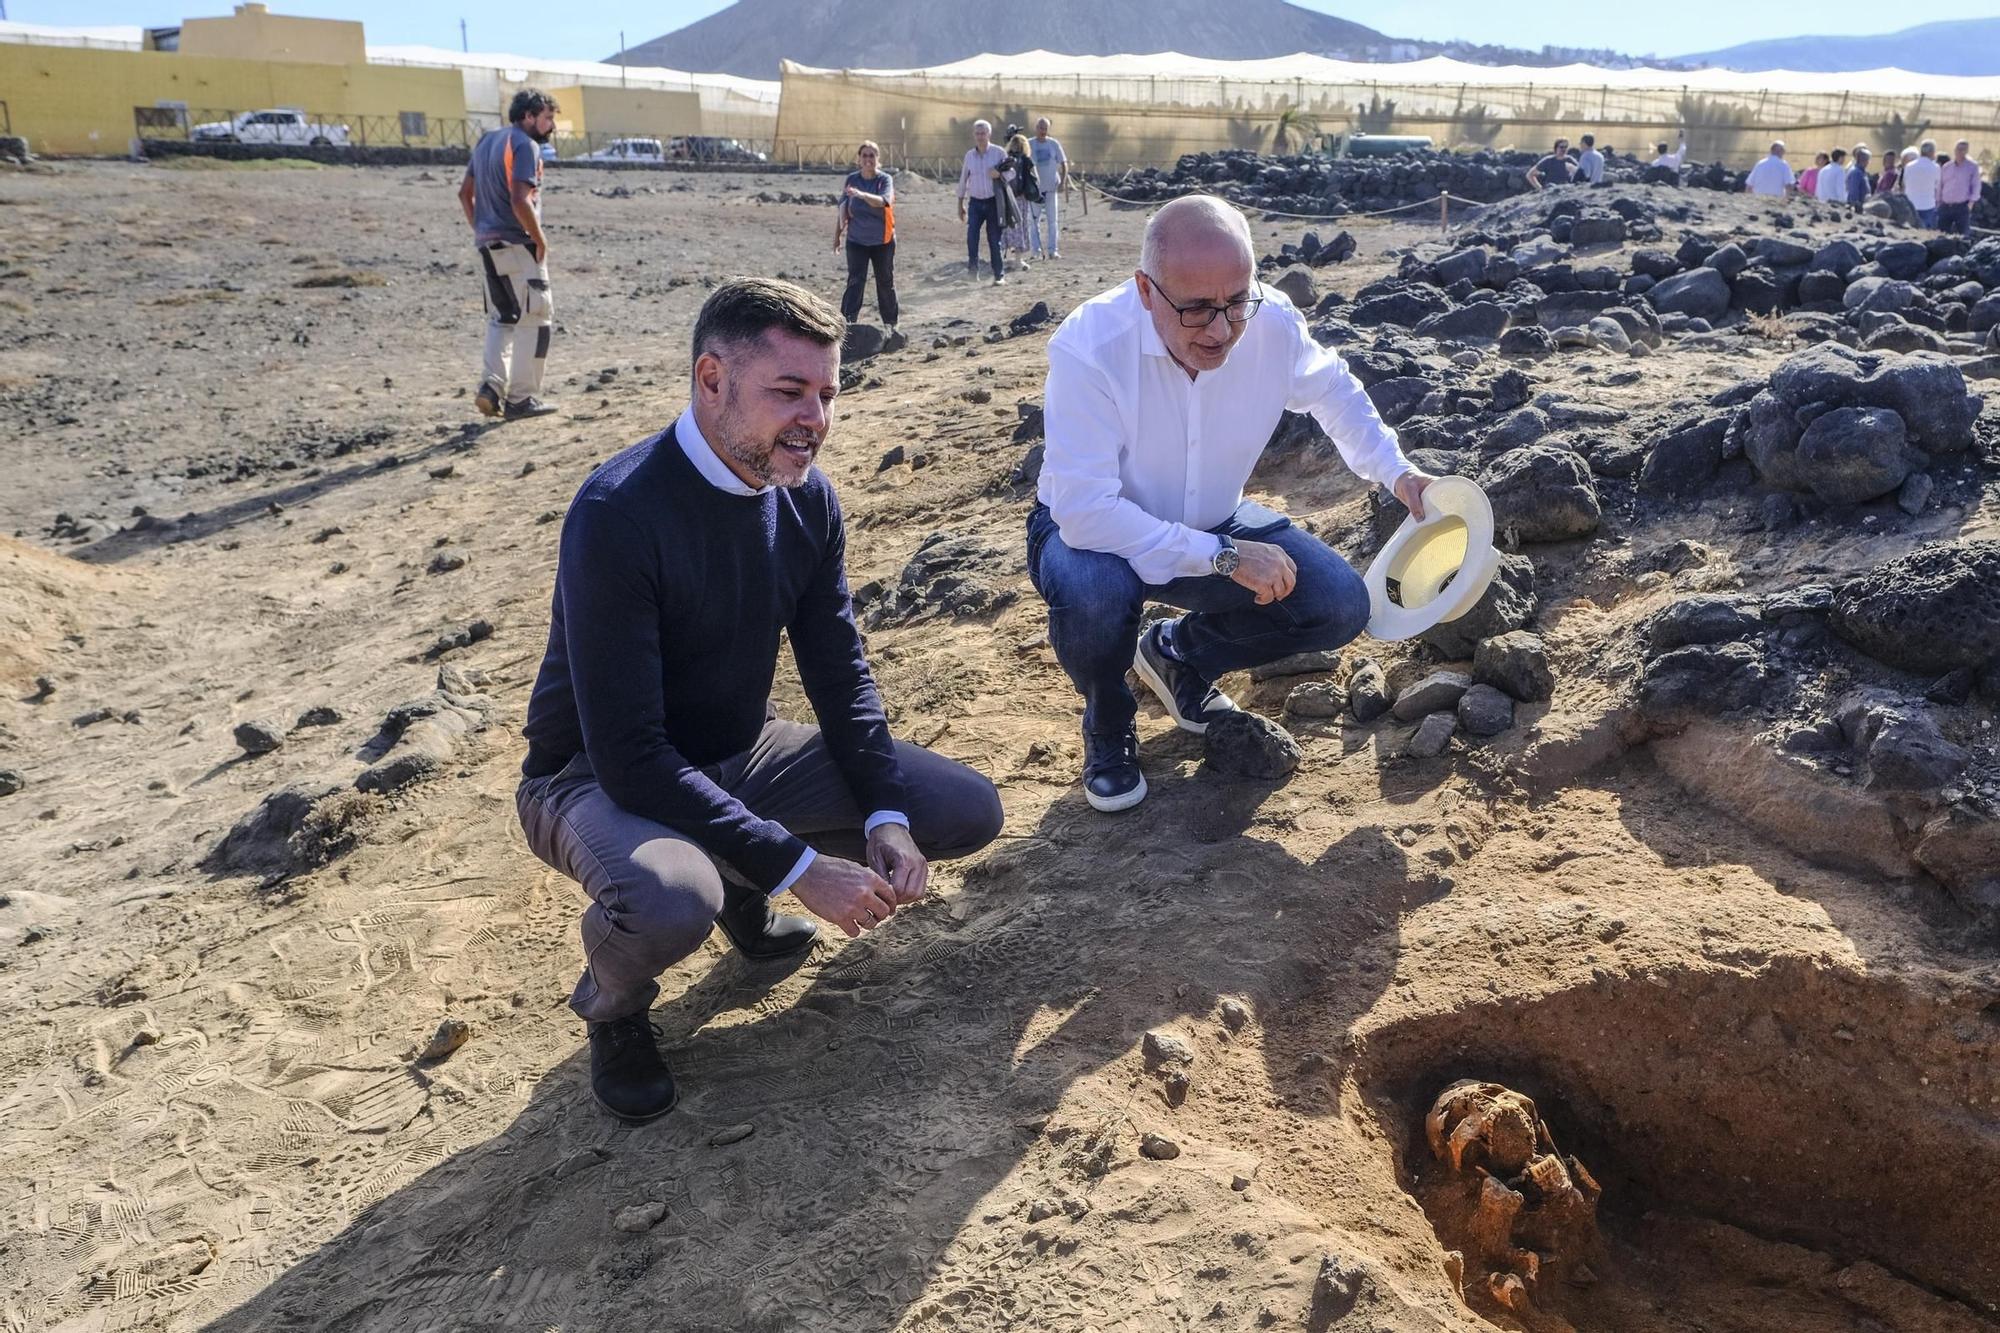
x=983, y=173
x=1052, y=167
x=1831, y=185
x=1671, y=161
x=1161, y=396
x=1773, y=176
x=1590, y=163
x=1921, y=176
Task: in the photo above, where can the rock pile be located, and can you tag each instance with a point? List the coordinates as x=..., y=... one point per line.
x=1313, y=184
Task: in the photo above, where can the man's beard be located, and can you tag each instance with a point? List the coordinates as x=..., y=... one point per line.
x=765, y=459
x=540, y=138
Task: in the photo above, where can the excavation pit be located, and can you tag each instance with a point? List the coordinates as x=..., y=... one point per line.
x=1801, y=1147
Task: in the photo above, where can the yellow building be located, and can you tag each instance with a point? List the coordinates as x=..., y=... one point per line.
x=253, y=32
x=66, y=99
x=602, y=113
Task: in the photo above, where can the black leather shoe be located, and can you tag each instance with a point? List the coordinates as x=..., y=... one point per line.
x=1111, y=777
x=628, y=1076
x=759, y=931
x=1188, y=697
x=523, y=408
x=487, y=400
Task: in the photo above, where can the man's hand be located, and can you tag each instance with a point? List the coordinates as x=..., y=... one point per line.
x=541, y=244
x=1265, y=570
x=893, y=854
x=961, y=210
x=1409, y=488
x=851, y=896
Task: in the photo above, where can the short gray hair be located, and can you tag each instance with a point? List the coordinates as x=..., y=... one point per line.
x=1928, y=147
x=986, y=125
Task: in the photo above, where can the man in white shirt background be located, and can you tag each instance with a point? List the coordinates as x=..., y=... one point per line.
x=983, y=174
x=1773, y=176
x=1052, y=166
x=1921, y=177
x=1830, y=187
x=1161, y=396
x=1671, y=161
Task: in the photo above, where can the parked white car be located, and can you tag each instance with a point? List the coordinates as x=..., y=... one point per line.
x=279, y=127
x=629, y=150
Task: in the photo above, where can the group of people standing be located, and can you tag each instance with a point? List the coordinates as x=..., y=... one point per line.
x=1013, y=195
x=1939, y=191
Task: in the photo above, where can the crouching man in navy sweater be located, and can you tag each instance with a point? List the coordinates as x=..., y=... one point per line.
x=656, y=775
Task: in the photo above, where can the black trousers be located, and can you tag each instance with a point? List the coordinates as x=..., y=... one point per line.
x=859, y=257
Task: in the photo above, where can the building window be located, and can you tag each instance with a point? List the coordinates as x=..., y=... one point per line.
x=415, y=125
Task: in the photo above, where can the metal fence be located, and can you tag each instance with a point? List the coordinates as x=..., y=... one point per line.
x=405, y=129
x=416, y=129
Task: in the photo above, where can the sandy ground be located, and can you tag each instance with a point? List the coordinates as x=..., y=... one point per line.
x=211, y=1113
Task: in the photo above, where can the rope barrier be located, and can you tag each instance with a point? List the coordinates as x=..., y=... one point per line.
x=1443, y=201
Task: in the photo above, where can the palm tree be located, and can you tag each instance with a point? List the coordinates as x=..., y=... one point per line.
x=1293, y=125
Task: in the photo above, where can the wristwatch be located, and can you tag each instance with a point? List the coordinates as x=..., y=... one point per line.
x=1227, y=559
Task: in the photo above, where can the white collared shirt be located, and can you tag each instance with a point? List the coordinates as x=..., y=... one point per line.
x=706, y=461
x=1772, y=176
x=1141, y=460
x=717, y=474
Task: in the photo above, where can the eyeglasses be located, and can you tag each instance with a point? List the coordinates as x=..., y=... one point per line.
x=1202, y=314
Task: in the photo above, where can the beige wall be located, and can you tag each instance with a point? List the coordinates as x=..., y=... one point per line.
x=68, y=99
x=254, y=33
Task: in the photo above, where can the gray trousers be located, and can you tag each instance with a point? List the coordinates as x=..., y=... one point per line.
x=654, y=892
x=520, y=315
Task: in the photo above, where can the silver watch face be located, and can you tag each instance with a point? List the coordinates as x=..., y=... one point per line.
x=1226, y=561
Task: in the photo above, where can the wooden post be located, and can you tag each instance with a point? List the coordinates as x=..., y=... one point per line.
x=1444, y=211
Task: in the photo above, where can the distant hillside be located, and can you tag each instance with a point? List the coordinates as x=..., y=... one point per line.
x=750, y=37
x=1969, y=47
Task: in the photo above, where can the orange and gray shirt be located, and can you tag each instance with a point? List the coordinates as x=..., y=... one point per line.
x=867, y=224
x=500, y=158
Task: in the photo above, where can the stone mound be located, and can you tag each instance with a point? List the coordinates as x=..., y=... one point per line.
x=1930, y=611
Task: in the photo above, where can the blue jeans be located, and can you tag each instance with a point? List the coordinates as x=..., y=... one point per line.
x=1928, y=216
x=1095, y=600
x=982, y=213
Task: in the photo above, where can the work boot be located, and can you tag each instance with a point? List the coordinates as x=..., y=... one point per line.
x=1111, y=777
x=757, y=929
x=1188, y=697
x=487, y=400
x=522, y=408
x=628, y=1076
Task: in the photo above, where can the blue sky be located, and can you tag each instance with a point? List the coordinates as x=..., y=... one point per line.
x=590, y=30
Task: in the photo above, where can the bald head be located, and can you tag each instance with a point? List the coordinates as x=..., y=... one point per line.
x=1195, y=231
x=1197, y=257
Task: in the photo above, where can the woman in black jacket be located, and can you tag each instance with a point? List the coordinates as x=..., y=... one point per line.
x=1024, y=187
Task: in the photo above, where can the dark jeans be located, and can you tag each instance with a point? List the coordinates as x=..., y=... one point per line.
x=859, y=258
x=982, y=213
x=1955, y=218
x=1927, y=217
x=654, y=892
x=1095, y=601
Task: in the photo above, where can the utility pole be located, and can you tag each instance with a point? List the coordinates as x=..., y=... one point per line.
x=621, y=55
x=463, y=45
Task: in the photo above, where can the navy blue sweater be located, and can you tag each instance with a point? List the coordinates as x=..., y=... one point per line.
x=663, y=640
